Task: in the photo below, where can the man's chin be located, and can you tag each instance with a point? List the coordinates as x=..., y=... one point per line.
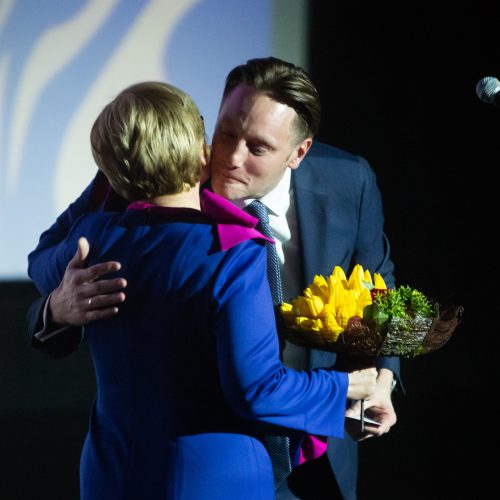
x=230, y=192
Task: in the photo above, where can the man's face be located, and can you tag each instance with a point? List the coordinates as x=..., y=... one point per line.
x=253, y=144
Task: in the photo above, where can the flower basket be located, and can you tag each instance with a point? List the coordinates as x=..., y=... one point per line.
x=311, y=321
x=398, y=337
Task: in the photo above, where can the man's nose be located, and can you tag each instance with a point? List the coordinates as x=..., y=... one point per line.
x=238, y=155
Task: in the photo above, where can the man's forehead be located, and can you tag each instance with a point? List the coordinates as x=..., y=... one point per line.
x=244, y=96
x=250, y=105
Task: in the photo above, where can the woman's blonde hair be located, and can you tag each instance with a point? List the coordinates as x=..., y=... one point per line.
x=149, y=140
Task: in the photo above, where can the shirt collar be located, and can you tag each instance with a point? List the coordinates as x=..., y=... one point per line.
x=277, y=200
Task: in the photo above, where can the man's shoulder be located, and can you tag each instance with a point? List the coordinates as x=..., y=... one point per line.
x=323, y=152
x=332, y=164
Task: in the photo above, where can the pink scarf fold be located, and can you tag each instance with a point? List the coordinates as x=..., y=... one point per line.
x=311, y=448
x=233, y=225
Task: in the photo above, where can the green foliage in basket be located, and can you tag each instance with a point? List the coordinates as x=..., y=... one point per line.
x=404, y=302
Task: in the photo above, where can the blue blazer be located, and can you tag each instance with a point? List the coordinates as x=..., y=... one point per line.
x=340, y=221
x=188, y=373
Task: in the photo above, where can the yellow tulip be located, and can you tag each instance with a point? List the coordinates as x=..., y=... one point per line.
x=311, y=324
x=338, y=273
x=330, y=325
x=317, y=305
x=334, y=288
x=365, y=299
x=328, y=304
x=355, y=280
x=319, y=287
x=302, y=306
x=379, y=282
x=368, y=277
x=326, y=311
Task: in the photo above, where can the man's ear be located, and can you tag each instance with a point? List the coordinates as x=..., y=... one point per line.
x=300, y=152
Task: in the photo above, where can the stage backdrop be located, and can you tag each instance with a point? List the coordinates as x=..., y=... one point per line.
x=62, y=61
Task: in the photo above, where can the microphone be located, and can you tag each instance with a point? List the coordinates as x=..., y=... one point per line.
x=488, y=90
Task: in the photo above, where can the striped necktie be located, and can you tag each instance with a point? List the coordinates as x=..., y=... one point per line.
x=259, y=210
x=278, y=447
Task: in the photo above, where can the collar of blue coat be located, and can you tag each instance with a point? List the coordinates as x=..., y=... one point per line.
x=232, y=224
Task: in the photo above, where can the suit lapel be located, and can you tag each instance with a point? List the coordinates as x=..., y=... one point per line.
x=311, y=220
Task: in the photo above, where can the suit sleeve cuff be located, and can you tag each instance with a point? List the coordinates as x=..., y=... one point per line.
x=47, y=332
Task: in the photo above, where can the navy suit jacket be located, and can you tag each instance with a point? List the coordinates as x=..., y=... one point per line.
x=340, y=221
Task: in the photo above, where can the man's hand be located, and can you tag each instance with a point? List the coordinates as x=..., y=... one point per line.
x=362, y=383
x=378, y=406
x=79, y=298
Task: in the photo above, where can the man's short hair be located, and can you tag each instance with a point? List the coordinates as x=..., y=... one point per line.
x=148, y=141
x=283, y=82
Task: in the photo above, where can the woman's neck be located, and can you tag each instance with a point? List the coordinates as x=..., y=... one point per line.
x=186, y=199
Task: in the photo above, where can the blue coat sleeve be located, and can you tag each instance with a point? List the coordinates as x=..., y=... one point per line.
x=50, y=238
x=97, y=196
x=48, y=272
x=55, y=258
x=57, y=346
x=42, y=258
x=255, y=382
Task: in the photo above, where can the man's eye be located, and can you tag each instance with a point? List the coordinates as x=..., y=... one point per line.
x=257, y=150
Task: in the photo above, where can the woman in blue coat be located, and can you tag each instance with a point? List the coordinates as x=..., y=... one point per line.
x=188, y=373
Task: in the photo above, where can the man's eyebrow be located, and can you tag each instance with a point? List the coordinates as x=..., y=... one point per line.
x=261, y=140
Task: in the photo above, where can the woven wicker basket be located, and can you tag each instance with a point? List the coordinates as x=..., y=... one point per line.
x=396, y=337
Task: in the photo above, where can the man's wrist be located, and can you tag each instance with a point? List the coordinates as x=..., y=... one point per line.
x=49, y=328
x=386, y=378
x=51, y=317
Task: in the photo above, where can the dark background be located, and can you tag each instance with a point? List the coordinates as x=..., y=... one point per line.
x=398, y=88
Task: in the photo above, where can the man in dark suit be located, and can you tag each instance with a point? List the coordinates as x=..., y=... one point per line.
x=327, y=212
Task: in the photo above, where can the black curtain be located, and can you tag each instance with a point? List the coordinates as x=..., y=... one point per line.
x=398, y=87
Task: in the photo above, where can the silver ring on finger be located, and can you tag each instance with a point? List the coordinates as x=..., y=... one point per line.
x=90, y=301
